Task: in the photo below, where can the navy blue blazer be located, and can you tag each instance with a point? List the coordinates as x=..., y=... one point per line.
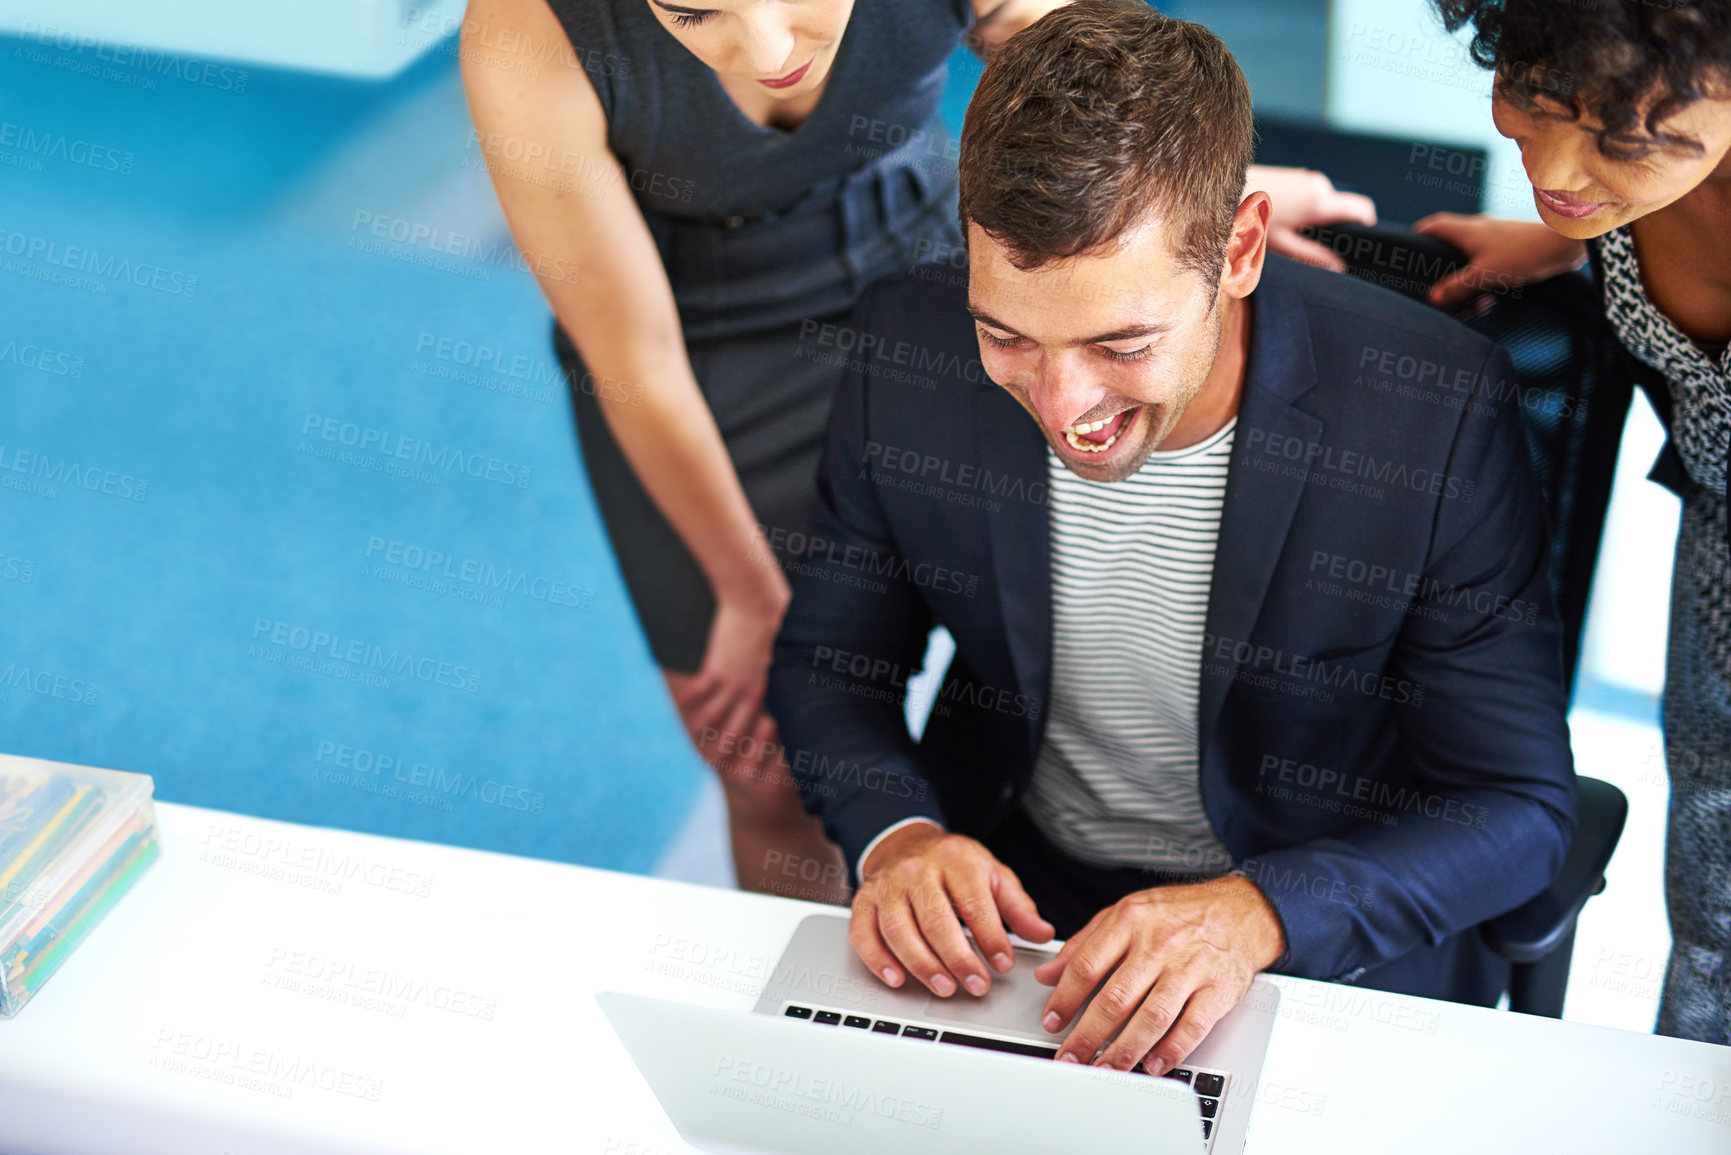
x=1381, y=720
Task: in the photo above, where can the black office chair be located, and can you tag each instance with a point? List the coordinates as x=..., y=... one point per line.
x=1576, y=381
x=1539, y=937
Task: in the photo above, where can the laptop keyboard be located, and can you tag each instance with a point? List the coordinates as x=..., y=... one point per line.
x=1210, y=1085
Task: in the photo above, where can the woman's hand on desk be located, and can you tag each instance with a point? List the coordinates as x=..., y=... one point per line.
x=915, y=883
x=1175, y=960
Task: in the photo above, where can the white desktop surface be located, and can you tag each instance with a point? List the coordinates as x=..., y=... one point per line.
x=484, y=1035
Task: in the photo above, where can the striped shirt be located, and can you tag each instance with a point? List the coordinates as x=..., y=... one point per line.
x=1116, y=782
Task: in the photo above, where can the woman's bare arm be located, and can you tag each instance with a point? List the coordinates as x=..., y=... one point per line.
x=574, y=219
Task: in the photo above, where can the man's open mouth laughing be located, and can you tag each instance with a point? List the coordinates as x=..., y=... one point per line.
x=1100, y=436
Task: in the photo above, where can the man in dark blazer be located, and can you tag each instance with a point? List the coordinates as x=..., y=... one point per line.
x=1351, y=667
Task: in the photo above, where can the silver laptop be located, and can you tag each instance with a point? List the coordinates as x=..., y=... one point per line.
x=833, y=1060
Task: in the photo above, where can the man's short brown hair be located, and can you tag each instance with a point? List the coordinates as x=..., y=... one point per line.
x=1097, y=116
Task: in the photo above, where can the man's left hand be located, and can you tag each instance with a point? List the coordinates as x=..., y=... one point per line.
x=1179, y=958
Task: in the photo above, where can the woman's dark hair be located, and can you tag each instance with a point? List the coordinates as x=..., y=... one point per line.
x=1629, y=64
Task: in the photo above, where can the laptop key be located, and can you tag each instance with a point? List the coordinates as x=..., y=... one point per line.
x=885, y=1027
x=1209, y=1107
x=861, y=1021
x=794, y=1012
x=1210, y=1085
x=1207, y=1128
x=829, y=1018
x=1182, y=1074
x=919, y=1033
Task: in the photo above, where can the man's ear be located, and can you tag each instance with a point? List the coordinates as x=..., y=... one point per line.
x=1247, y=249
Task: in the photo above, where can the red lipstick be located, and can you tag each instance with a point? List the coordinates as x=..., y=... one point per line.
x=1565, y=205
x=790, y=79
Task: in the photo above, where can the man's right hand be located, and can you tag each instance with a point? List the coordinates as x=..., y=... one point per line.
x=917, y=888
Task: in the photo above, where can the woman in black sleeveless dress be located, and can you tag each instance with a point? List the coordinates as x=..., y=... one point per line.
x=703, y=189
x=1635, y=175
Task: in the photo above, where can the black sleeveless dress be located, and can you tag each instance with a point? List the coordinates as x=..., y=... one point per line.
x=767, y=237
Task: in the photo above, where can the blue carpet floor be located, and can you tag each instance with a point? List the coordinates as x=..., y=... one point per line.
x=291, y=514
x=275, y=529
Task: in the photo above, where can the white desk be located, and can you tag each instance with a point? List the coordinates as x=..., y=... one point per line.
x=269, y=988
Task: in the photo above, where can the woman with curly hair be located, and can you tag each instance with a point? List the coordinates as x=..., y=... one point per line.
x=1622, y=110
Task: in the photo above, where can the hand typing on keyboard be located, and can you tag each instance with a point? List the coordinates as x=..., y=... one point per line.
x=1174, y=960
x=918, y=886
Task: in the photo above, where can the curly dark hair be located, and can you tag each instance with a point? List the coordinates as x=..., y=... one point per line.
x=1612, y=60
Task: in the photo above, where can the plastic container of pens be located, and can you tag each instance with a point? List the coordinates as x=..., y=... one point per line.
x=73, y=839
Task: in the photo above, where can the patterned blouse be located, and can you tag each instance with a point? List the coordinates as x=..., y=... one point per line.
x=1698, y=679
x=1700, y=386
x=1696, y=1002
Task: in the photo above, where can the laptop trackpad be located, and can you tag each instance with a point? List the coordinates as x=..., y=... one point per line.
x=1016, y=1002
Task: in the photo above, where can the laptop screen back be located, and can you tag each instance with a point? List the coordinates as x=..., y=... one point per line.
x=739, y=1082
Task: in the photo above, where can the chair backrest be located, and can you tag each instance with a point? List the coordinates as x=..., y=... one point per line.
x=1573, y=378
x=1406, y=178
x=1538, y=926
x=1574, y=381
